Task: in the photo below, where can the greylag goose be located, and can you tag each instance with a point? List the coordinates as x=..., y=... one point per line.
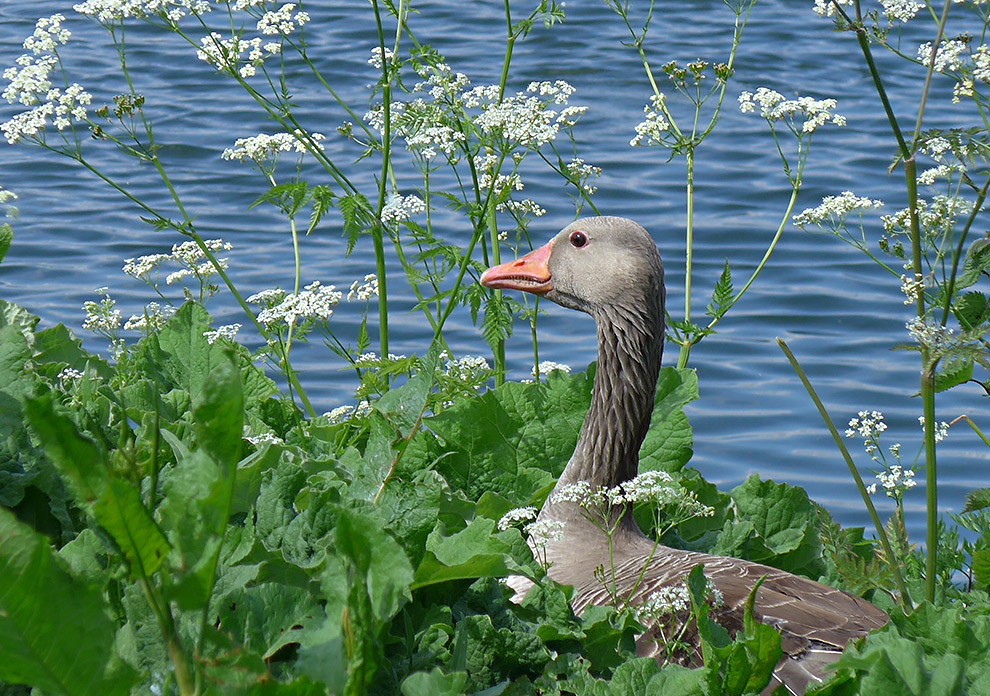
x=610, y=268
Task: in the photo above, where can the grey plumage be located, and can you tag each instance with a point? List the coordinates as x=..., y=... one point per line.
x=610, y=268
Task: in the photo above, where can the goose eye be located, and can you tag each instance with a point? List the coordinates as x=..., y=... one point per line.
x=578, y=239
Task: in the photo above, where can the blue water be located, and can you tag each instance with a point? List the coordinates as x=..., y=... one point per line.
x=839, y=313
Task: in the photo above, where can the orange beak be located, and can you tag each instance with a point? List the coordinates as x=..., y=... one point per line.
x=528, y=273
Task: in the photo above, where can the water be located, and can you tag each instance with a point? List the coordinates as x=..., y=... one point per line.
x=839, y=313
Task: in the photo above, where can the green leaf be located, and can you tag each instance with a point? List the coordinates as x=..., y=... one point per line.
x=977, y=263
x=55, y=633
x=434, y=683
x=971, y=309
x=775, y=524
x=115, y=503
x=721, y=295
x=6, y=237
x=977, y=499
x=218, y=415
x=669, y=443
x=471, y=553
x=953, y=373
x=981, y=567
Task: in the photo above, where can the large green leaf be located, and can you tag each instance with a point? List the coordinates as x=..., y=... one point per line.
x=55, y=633
x=115, y=503
x=668, y=444
x=473, y=552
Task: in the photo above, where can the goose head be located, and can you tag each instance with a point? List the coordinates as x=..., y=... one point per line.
x=596, y=265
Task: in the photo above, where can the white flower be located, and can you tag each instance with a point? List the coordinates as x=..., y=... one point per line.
x=912, y=288
x=48, y=35
x=342, y=413
x=102, y=317
x=664, y=602
x=467, y=369
x=656, y=124
x=901, y=10
x=542, y=532
x=774, y=107
x=869, y=424
x=834, y=209
x=547, y=366
x=930, y=334
x=949, y=57
x=282, y=21
x=315, y=302
x=111, y=11
x=364, y=290
x=376, y=57
x=69, y=375
x=144, y=265
x=264, y=439
x=516, y=515
x=226, y=332
x=941, y=429
x=581, y=173
x=152, y=319
x=399, y=208
x=825, y=8
x=263, y=147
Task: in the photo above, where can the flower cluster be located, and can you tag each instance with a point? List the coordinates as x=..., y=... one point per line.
x=548, y=366
x=264, y=439
x=315, y=302
x=895, y=481
x=113, y=11
x=930, y=334
x=774, y=107
x=666, y=601
x=833, y=210
x=901, y=10
x=364, y=290
x=342, y=413
x=516, y=516
x=30, y=84
x=656, y=125
x=399, y=208
x=912, y=288
x=825, y=8
x=376, y=57
x=282, y=21
x=869, y=425
x=102, y=317
x=950, y=56
x=540, y=534
x=524, y=119
x=651, y=487
x=263, y=149
x=151, y=320
x=581, y=173
x=225, y=54
x=194, y=262
x=941, y=429
x=226, y=332
x=470, y=369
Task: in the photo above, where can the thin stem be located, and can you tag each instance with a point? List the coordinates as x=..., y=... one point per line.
x=377, y=233
x=867, y=501
x=979, y=433
x=685, y=351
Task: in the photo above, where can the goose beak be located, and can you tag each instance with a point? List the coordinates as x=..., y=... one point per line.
x=528, y=273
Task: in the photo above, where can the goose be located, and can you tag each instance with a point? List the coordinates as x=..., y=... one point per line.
x=610, y=268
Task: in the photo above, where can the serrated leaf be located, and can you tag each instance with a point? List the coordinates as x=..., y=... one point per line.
x=977, y=500
x=473, y=552
x=953, y=373
x=55, y=633
x=977, y=262
x=981, y=567
x=721, y=295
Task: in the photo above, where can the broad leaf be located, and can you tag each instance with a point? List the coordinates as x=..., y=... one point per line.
x=55, y=633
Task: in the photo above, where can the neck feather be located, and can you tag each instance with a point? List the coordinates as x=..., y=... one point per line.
x=630, y=345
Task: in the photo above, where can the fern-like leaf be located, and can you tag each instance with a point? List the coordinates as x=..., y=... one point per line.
x=721, y=295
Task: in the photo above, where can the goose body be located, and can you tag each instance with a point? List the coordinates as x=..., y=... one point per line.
x=610, y=268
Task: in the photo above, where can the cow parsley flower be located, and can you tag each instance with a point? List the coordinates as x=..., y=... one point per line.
x=142, y=266
x=901, y=10
x=548, y=366
x=108, y=12
x=941, y=429
x=581, y=173
x=930, y=334
x=399, y=208
x=364, y=290
x=102, y=317
x=833, y=210
x=950, y=56
x=342, y=413
x=226, y=332
x=825, y=8
x=541, y=534
x=516, y=516
x=376, y=57
x=912, y=288
x=282, y=21
x=656, y=125
x=774, y=107
x=151, y=320
x=664, y=602
x=264, y=149
x=225, y=54
x=316, y=302
x=264, y=439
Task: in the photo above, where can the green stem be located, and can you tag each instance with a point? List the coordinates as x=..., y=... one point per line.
x=979, y=433
x=682, y=357
x=377, y=231
x=881, y=532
